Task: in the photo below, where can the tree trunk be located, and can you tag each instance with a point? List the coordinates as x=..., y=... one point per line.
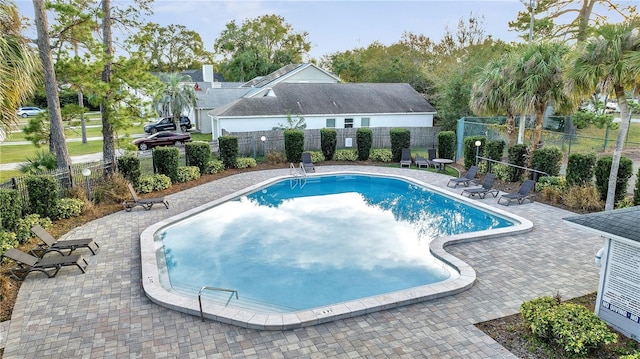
x=617, y=152
x=57, y=140
x=537, y=129
x=108, y=144
x=83, y=124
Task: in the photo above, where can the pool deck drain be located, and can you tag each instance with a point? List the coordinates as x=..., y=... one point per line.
x=105, y=313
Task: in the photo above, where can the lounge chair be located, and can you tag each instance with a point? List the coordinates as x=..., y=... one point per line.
x=48, y=265
x=486, y=188
x=146, y=203
x=431, y=156
x=306, y=163
x=51, y=244
x=421, y=161
x=523, y=193
x=405, y=160
x=465, y=180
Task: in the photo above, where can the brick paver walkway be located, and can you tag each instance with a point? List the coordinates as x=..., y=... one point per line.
x=105, y=314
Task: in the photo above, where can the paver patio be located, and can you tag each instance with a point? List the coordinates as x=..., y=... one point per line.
x=105, y=314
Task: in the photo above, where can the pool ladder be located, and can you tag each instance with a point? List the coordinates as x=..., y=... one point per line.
x=232, y=291
x=300, y=176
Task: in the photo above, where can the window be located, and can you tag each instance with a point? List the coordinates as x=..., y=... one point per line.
x=331, y=123
x=348, y=123
x=364, y=122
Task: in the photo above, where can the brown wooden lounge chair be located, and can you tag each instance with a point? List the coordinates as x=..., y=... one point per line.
x=146, y=203
x=49, y=265
x=51, y=244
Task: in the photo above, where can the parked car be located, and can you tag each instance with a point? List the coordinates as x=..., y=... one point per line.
x=29, y=111
x=167, y=124
x=164, y=138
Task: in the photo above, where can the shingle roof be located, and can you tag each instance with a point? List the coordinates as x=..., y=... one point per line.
x=263, y=80
x=620, y=222
x=215, y=97
x=331, y=98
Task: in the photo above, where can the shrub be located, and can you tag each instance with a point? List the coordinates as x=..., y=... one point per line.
x=7, y=240
x=517, y=157
x=328, y=142
x=602, y=171
x=552, y=194
x=43, y=195
x=625, y=203
x=557, y=182
x=580, y=168
x=198, y=153
x=400, y=138
x=494, y=149
x=23, y=229
x=245, y=162
x=636, y=191
x=166, y=161
x=214, y=166
x=156, y=182
x=502, y=172
x=129, y=167
x=578, y=330
x=10, y=208
x=111, y=189
x=446, y=145
x=293, y=144
x=228, y=150
x=547, y=159
x=583, y=197
x=188, y=173
x=364, y=140
x=533, y=314
x=381, y=155
x=316, y=156
x=469, y=150
x=276, y=157
x=69, y=207
x=346, y=155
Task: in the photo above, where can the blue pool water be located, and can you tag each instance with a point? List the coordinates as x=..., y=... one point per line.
x=299, y=245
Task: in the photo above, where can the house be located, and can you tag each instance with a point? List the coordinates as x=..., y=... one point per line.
x=324, y=105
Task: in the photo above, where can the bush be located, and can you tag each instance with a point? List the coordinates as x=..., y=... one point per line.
x=69, y=207
x=547, y=159
x=23, y=229
x=7, y=240
x=276, y=157
x=400, y=138
x=153, y=183
x=557, y=182
x=446, y=145
x=293, y=144
x=533, y=314
x=346, y=155
x=580, y=168
x=364, y=140
x=469, y=150
x=188, y=173
x=245, y=162
x=381, y=155
x=129, y=168
x=636, y=191
x=228, y=150
x=198, y=153
x=517, y=157
x=316, y=156
x=43, y=195
x=585, y=197
x=328, y=142
x=602, y=171
x=502, y=172
x=494, y=149
x=214, y=166
x=10, y=208
x=111, y=189
x=166, y=161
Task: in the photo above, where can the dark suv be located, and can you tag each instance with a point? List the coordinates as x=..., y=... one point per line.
x=166, y=124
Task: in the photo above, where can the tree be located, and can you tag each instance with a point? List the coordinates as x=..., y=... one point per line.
x=552, y=23
x=525, y=80
x=19, y=66
x=175, y=97
x=170, y=49
x=259, y=47
x=606, y=63
x=58, y=143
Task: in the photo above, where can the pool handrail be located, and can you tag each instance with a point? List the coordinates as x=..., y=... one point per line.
x=213, y=288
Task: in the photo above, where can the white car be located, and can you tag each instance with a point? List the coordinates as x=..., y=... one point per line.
x=29, y=111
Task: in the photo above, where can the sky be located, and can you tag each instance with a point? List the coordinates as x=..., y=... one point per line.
x=336, y=26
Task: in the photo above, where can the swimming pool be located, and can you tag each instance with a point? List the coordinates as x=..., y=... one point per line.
x=304, y=252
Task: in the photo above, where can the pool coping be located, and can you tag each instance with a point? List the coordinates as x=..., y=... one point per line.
x=152, y=278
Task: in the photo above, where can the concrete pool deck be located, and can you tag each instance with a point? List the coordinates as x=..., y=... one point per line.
x=105, y=313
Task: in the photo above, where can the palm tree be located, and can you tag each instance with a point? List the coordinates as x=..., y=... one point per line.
x=19, y=66
x=609, y=62
x=176, y=97
x=525, y=80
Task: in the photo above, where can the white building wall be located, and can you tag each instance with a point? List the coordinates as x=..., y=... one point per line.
x=243, y=124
